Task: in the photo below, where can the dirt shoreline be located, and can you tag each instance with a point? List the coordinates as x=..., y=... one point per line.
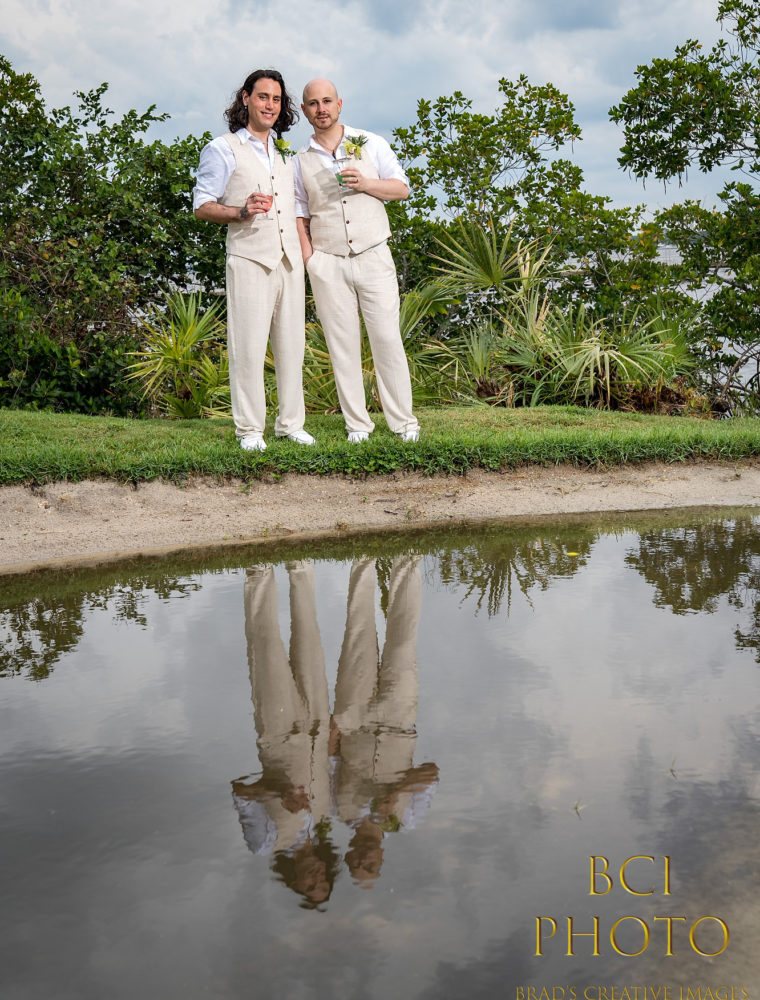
x=72, y=524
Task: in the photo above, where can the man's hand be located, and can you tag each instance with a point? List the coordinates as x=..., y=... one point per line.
x=303, y=228
x=385, y=190
x=256, y=204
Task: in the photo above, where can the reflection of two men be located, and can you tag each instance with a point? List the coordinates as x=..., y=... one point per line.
x=356, y=765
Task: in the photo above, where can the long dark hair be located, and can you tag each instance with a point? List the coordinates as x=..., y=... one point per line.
x=237, y=113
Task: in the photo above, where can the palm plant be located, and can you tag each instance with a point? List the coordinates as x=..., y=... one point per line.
x=183, y=366
x=475, y=258
x=517, y=348
x=603, y=363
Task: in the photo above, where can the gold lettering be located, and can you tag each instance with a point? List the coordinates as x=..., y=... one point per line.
x=636, y=857
x=613, y=941
x=669, y=939
x=573, y=934
x=726, y=936
x=539, y=939
x=602, y=874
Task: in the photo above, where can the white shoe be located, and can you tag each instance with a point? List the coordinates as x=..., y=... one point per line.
x=253, y=442
x=355, y=437
x=413, y=435
x=300, y=437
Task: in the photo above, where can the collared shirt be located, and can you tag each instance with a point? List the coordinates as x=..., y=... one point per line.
x=376, y=148
x=217, y=165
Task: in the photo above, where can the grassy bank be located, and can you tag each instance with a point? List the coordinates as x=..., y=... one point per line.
x=44, y=447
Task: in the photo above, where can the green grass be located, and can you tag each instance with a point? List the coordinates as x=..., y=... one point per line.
x=44, y=447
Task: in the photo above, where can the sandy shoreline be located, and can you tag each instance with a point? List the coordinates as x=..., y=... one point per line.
x=64, y=524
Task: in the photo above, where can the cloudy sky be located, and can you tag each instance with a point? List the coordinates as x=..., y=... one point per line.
x=188, y=57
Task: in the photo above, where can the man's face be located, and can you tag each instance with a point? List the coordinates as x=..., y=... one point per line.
x=321, y=105
x=263, y=104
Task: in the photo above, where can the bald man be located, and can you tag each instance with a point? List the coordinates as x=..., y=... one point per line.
x=343, y=176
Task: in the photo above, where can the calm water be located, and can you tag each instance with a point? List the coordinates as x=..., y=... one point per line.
x=364, y=769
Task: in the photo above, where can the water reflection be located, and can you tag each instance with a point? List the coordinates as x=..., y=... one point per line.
x=354, y=765
x=693, y=567
x=493, y=573
x=580, y=715
x=37, y=630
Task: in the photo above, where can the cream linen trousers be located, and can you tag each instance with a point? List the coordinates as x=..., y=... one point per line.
x=265, y=305
x=342, y=286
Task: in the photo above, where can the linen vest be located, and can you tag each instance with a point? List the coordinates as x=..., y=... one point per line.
x=343, y=221
x=259, y=238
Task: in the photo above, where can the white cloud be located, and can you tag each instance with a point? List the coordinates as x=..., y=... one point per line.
x=187, y=58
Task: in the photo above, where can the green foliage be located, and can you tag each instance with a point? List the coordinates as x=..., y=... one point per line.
x=702, y=109
x=182, y=365
x=36, y=372
x=484, y=164
x=520, y=348
x=94, y=223
x=503, y=169
x=44, y=447
x=697, y=108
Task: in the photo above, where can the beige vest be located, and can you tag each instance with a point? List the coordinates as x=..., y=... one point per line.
x=263, y=238
x=343, y=222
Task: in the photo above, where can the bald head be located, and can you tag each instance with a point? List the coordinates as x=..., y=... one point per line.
x=320, y=86
x=322, y=107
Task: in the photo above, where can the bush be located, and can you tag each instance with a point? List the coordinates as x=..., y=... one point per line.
x=39, y=373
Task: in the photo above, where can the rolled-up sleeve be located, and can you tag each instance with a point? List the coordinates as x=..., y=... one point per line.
x=386, y=161
x=302, y=199
x=215, y=168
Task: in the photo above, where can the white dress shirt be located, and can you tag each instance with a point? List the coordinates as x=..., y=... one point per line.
x=376, y=149
x=217, y=164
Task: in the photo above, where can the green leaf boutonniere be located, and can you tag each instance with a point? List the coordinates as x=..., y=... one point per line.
x=354, y=145
x=283, y=148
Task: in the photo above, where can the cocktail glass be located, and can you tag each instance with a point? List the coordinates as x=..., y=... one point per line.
x=340, y=164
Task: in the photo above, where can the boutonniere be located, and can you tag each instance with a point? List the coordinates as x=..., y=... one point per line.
x=283, y=148
x=354, y=145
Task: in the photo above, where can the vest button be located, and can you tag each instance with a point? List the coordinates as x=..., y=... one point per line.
x=350, y=241
x=347, y=221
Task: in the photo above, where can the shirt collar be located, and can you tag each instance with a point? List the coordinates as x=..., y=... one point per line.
x=244, y=136
x=348, y=133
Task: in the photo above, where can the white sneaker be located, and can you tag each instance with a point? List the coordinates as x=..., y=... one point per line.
x=413, y=435
x=300, y=437
x=253, y=442
x=355, y=437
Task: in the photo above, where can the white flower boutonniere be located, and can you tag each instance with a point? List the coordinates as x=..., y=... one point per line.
x=283, y=148
x=354, y=145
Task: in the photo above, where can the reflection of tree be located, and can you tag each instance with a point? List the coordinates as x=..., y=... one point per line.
x=356, y=764
x=492, y=567
x=692, y=567
x=35, y=633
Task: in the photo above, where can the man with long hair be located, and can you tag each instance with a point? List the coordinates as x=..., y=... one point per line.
x=343, y=177
x=245, y=182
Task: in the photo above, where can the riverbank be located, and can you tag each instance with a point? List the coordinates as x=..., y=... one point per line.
x=98, y=521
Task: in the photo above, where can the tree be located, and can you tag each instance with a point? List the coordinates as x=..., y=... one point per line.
x=702, y=110
x=503, y=169
x=95, y=224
